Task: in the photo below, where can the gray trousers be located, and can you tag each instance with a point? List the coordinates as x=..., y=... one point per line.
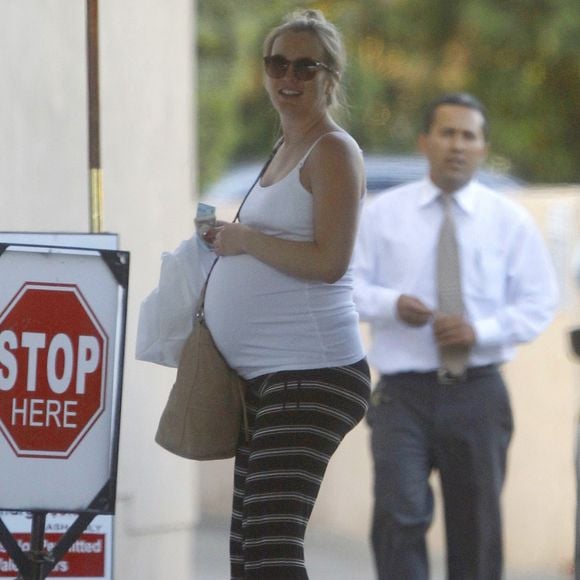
x=463, y=431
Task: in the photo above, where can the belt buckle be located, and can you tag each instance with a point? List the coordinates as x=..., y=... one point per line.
x=445, y=377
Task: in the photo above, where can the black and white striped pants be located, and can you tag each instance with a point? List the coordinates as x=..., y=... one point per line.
x=297, y=419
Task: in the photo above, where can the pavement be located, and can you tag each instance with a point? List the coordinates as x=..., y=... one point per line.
x=328, y=557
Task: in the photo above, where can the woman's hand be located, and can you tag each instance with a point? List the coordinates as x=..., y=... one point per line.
x=207, y=232
x=229, y=239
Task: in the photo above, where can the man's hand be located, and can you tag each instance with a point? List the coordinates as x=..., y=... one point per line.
x=453, y=330
x=412, y=311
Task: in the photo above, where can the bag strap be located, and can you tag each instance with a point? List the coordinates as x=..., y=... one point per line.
x=262, y=171
x=200, y=310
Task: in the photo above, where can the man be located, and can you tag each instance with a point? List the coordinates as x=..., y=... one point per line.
x=451, y=276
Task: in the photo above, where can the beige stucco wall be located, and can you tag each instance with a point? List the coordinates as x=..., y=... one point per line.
x=540, y=493
x=148, y=155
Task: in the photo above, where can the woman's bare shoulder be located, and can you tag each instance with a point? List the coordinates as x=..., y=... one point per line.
x=336, y=159
x=335, y=148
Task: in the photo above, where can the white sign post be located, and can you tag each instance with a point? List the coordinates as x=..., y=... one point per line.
x=62, y=327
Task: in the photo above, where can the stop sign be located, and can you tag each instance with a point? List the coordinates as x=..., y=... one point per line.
x=53, y=353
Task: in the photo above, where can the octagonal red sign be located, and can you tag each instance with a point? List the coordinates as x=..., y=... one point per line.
x=53, y=354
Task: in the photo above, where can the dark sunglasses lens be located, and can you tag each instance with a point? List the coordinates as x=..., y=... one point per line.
x=275, y=66
x=305, y=69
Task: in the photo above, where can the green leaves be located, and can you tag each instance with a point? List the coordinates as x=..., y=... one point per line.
x=520, y=57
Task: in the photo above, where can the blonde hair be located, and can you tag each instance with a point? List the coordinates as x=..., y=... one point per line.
x=313, y=21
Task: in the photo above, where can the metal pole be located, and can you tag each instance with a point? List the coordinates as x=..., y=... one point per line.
x=38, y=555
x=96, y=180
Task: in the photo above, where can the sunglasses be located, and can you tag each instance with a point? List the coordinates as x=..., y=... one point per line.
x=305, y=69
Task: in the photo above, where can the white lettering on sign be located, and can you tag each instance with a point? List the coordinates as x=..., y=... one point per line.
x=44, y=413
x=8, y=368
x=86, y=358
x=33, y=341
x=60, y=343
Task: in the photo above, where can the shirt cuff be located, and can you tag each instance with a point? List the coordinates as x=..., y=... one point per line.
x=387, y=305
x=487, y=332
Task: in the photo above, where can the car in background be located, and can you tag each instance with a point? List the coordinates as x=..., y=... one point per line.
x=382, y=171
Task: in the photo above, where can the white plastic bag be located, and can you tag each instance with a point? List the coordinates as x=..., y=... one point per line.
x=166, y=315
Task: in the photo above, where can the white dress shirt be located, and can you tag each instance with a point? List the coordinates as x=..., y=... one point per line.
x=509, y=286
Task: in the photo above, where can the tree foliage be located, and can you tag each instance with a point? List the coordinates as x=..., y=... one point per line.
x=521, y=58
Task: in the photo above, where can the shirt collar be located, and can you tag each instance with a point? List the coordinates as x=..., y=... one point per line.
x=465, y=197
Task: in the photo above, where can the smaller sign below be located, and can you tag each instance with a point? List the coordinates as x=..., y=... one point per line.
x=90, y=557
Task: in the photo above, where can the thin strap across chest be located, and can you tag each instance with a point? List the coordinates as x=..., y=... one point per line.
x=201, y=301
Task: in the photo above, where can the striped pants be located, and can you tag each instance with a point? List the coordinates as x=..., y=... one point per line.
x=297, y=420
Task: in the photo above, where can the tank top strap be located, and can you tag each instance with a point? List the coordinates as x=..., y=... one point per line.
x=311, y=148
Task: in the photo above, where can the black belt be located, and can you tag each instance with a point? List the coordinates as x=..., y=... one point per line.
x=444, y=377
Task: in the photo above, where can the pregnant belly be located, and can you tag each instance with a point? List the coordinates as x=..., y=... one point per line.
x=249, y=305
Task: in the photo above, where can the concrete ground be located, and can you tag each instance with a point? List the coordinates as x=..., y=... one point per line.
x=328, y=557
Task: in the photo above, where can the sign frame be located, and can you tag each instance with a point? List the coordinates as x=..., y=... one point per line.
x=117, y=264
x=38, y=562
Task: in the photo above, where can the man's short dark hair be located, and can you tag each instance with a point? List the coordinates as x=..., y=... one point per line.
x=459, y=99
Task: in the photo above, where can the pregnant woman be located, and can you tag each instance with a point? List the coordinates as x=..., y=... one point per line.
x=279, y=303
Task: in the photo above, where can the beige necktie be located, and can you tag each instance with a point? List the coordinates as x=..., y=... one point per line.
x=453, y=358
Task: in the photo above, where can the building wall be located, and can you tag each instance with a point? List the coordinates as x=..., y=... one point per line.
x=148, y=158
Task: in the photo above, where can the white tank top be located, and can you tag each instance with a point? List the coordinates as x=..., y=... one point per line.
x=263, y=320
